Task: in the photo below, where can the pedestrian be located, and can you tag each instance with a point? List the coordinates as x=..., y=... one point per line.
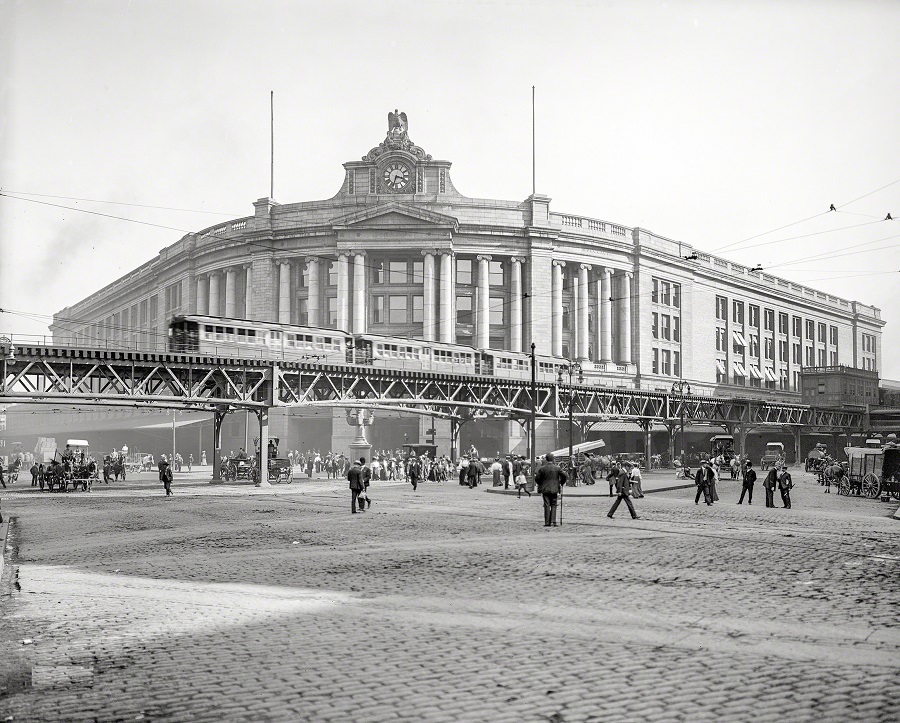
x=785, y=485
x=190, y=461
x=612, y=476
x=507, y=471
x=550, y=480
x=413, y=471
x=41, y=476
x=747, y=486
x=472, y=473
x=34, y=474
x=703, y=479
x=357, y=480
x=165, y=476
x=769, y=485
x=623, y=490
x=496, y=472
x=636, y=480
x=521, y=482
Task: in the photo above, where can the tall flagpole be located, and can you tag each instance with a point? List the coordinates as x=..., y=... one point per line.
x=272, y=144
x=533, y=172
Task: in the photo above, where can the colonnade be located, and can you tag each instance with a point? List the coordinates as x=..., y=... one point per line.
x=604, y=291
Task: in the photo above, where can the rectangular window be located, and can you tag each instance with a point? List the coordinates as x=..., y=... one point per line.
x=798, y=326
x=737, y=315
x=496, y=311
x=810, y=330
x=418, y=272
x=820, y=357
x=655, y=328
x=782, y=350
x=721, y=308
x=418, y=309
x=495, y=273
x=721, y=374
x=464, y=310
x=810, y=356
x=665, y=331
x=769, y=320
x=769, y=348
x=332, y=311
x=783, y=324
x=833, y=336
x=721, y=339
x=332, y=273
x=676, y=365
x=676, y=295
x=822, y=332
x=378, y=271
x=666, y=362
x=676, y=329
x=463, y=271
x=397, y=273
x=796, y=357
x=377, y=309
x=655, y=361
x=753, y=312
x=754, y=346
x=664, y=295
x=397, y=309
x=302, y=312
x=833, y=360
x=655, y=295
x=565, y=316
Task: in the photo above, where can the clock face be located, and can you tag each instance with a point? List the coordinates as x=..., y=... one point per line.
x=396, y=176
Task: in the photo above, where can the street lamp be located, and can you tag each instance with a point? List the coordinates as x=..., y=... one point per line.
x=569, y=370
x=681, y=388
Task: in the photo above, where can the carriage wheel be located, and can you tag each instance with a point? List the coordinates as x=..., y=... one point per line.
x=871, y=486
x=844, y=486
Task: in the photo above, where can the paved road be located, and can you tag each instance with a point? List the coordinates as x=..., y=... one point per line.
x=447, y=604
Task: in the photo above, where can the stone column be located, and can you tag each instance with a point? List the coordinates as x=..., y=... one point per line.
x=284, y=292
x=584, y=333
x=359, y=293
x=214, y=309
x=248, y=291
x=447, y=311
x=230, y=290
x=428, y=310
x=312, y=300
x=556, y=308
x=483, y=312
x=343, y=292
x=605, y=321
x=515, y=319
x=202, y=294
x=625, y=319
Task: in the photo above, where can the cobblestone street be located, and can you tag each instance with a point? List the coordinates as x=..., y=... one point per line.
x=446, y=604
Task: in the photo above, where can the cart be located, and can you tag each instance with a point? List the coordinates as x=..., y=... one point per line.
x=281, y=470
x=238, y=468
x=872, y=471
x=773, y=455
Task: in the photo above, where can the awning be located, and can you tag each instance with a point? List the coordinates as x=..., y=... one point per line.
x=720, y=365
x=739, y=369
x=168, y=425
x=738, y=338
x=754, y=372
x=770, y=374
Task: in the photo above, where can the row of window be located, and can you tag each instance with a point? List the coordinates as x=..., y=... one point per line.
x=383, y=271
x=666, y=327
x=825, y=332
x=666, y=362
x=666, y=293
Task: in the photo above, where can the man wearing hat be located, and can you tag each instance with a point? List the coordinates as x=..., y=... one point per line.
x=749, y=479
x=550, y=479
x=703, y=479
x=769, y=485
x=165, y=476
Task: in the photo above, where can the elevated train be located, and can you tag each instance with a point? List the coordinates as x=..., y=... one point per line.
x=218, y=336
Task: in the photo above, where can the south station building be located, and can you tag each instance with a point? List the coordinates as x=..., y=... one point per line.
x=399, y=251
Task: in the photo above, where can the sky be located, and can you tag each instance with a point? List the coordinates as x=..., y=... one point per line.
x=732, y=126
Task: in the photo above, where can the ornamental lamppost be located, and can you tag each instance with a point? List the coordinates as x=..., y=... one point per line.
x=681, y=388
x=570, y=370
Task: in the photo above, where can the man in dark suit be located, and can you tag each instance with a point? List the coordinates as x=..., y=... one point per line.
x=747, y=487
x=703, y=479
x=356, y=477
x=769, y=485
x=623, y=492
x=785, y=484
x=550, y=479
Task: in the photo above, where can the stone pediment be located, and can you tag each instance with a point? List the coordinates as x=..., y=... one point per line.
x=392, y=215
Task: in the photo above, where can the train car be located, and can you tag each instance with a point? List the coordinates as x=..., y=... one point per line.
x=517, y=365
x=218, y=336
x=415, y=354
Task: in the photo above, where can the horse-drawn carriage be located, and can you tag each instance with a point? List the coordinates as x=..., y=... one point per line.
x=75, y=468
x=817, y=459
x=871, y=471
x=11, y=473
x=114, y=467
x=238, y=468
x=281, y=470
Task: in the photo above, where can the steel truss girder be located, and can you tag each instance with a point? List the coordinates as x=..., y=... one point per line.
x=52, y=374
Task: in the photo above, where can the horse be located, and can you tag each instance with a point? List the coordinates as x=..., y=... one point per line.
x=113, y=468
x=833, y=473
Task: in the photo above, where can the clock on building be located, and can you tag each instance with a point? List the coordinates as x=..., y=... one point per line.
x=396, y=176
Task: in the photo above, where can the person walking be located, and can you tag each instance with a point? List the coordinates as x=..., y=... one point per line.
x=785, y=485
x=356, y=476
x=747, y=486
x=703, y=479
x=612, y=476
x=769, y=485
x=34, y=474
x=472, y=473
x=550, y=479
x=507, y=471
x=165, y=476
x=190, y=461
x=634, y=474
x=496, y=472
x=623, y=492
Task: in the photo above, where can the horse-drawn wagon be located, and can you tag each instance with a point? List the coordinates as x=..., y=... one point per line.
x=871, y=471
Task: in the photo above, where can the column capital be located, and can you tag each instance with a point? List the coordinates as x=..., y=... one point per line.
x=607, y=271
x=628, y=274
x=358, y=253
x=311, y=259
x=343, y=255
x=557, y=262
x=585, y=267
x=483, y=257
x=283, y=262
x=430, y=252
x=447, y=252
x=517, y=259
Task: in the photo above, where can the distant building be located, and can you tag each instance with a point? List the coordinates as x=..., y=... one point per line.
x=839, y=386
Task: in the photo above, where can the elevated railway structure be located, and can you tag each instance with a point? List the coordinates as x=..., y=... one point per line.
x=88, y=376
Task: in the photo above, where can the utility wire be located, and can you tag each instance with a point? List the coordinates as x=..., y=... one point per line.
x=122, y=203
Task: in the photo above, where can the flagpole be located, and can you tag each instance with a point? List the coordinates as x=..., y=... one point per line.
x=533, y=161
x=272, y=144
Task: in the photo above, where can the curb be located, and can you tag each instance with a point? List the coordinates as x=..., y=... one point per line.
x=501, y=491
x=4, y=532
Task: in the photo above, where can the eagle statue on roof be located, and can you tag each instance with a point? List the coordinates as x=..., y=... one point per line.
x=397, y=123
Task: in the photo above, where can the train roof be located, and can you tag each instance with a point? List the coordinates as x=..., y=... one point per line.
x=274, y=325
